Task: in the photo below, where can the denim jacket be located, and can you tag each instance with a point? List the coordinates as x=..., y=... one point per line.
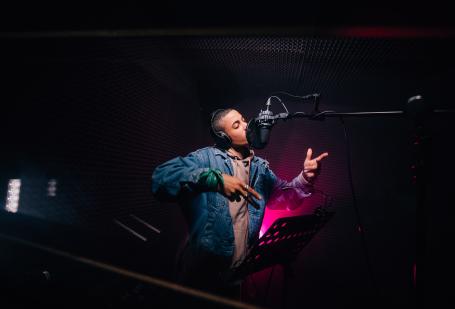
x=209, y=220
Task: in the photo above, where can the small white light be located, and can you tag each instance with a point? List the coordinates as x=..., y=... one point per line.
x=15, y=183
x=14, y=191
x=52, y=187
x=12, y=197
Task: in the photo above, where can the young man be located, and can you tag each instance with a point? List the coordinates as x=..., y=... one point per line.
x=223, y=191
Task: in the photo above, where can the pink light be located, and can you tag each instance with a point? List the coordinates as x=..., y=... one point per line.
x=271, y=215
x=392, y=32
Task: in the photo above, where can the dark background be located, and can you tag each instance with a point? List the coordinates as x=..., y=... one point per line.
x=97, y=98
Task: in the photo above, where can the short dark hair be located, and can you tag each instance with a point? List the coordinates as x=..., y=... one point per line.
x=216, y=122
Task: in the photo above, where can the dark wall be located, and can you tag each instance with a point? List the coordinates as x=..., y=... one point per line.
x=96, y=119
x=98, y=114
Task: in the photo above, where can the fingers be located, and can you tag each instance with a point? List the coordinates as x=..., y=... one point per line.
x=248, y=197
x=309, y=153
x=256, y=195
x=252, y=202
x=247, y=192
x=310, y=165
x=322, y=156
x=234, y=197
x=235, y=188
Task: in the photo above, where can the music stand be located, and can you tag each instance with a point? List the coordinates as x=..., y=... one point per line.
x=281, y=243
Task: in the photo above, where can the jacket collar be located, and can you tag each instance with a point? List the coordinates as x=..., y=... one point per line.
x=223, y=153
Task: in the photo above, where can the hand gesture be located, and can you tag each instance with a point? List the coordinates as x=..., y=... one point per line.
x=312, y=167
x=234, y=188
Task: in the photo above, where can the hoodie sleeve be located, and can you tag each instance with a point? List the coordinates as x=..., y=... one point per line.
x=288, y=194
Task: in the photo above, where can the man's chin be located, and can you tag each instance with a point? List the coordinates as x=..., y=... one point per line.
x=241, y=145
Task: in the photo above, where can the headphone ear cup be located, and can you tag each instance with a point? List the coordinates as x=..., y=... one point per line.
x=221, y=139
x=225, y=140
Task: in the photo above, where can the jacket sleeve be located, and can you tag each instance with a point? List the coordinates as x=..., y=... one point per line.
x=178, y=176
x=288, y=194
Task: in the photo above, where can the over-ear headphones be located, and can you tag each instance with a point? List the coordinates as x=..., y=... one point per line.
x=221, y=138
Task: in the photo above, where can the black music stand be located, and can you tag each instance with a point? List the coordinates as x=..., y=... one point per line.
x=281, y=244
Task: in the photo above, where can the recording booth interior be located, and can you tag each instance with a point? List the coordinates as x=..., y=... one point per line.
x=89, y=110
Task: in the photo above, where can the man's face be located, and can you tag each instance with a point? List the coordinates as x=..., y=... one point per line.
x=235, y=125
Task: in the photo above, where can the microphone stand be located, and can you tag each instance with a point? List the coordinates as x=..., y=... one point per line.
x=417, y=111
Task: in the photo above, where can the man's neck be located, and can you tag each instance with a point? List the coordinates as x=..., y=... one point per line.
x=240, y=151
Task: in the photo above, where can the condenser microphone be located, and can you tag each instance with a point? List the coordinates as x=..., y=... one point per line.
x=259, y=129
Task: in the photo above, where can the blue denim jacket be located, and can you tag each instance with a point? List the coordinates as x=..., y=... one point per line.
x=209, y=220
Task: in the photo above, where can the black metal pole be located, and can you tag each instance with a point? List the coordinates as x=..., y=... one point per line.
x=418, y=112
x=322, y=115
